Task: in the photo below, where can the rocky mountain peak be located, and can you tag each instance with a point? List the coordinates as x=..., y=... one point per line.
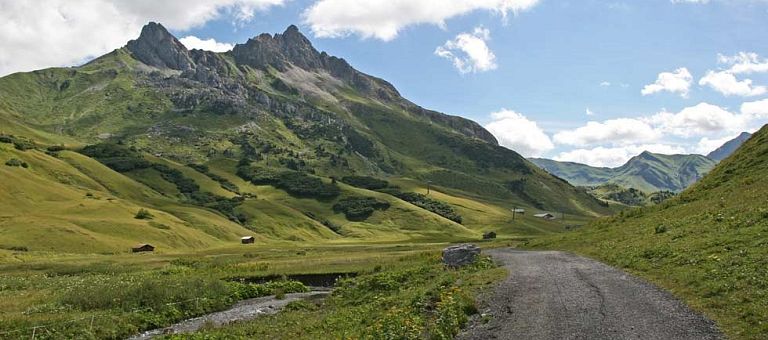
x=159, y=48
x=279, y=50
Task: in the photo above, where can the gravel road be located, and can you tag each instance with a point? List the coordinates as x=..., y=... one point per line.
x=556, y=295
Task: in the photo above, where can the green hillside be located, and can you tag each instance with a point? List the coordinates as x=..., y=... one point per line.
x=648, y=172
x=155, y=126
x=708, y=245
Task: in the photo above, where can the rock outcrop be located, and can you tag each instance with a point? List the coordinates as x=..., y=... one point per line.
x=460, y=255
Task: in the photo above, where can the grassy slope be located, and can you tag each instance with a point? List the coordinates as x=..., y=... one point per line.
x=709, y=245
x=48, y=207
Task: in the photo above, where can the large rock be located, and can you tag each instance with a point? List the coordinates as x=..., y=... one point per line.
x=460, y=255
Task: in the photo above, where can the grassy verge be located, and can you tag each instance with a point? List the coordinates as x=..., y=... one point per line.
x=414, y=299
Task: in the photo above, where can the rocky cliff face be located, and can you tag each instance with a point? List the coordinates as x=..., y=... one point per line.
x=221, y=83
x=157, y=47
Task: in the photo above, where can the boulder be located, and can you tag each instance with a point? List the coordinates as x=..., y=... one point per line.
x=460, y=255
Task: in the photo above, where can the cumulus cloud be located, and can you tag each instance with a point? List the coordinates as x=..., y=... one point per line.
x=469, y=52
x=725, y=80
x=678, y=81
x=384, y=19
x=613, y=142
x=695, y=120
x=755, y=110
x=744, y=62
x=61, y=32
x=193, y=42
x=614, y=131
x=517, y=132
x=615, y=156
x=727, y=84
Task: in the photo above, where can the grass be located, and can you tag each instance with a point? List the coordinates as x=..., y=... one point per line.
x=124, y=294
x=708, y=245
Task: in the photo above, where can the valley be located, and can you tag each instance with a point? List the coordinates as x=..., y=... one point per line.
x=270, y=190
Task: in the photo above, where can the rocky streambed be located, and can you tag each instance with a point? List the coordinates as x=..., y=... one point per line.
x=241, y=311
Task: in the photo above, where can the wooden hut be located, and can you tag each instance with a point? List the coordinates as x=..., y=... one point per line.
x=247, y=239
x=139, y=248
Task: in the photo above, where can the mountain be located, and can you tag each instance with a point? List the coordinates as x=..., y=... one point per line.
x=648, y=172
x=707, y=245
x=272, y=138
x=729, y=147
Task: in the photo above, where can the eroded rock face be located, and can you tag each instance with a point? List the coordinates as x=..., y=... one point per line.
x=460, y=255
x=157, y=47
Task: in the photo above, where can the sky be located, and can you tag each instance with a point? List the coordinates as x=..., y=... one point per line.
x=588, y=81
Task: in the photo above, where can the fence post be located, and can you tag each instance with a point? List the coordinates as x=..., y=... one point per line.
x=34, y=330
x=91, y=325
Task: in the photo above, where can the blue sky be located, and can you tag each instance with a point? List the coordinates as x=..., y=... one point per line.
x=542, y=70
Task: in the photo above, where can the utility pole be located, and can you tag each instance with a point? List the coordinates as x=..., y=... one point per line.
x=428, y=183
x=514, y=211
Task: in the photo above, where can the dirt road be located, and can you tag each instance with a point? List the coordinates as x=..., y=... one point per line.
x=556, y=295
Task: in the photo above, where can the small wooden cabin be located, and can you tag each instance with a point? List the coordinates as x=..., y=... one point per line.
x=247, y=239
x=142, y=248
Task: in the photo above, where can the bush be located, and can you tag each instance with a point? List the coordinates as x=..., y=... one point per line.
x=438, y=207
x=295, y=183
x=661, y=229
x=365, y=182
x=358, y=208
x=56, y=148
x=144, y=214
x=16, y=162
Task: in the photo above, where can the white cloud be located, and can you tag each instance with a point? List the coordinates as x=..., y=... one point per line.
x=589, y=112
x=516, y=132
x=678, y=81
x=469, y=51
x=605, y=84
x=193, y=42
x=695, y=120
x=62, y=32
x=384, y=19
x=755, y=110
x=613, y=131
x=727, y=84
x=615, y=156
x=744, y=62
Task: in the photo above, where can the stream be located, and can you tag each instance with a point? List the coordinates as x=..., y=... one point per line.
x=243, y=310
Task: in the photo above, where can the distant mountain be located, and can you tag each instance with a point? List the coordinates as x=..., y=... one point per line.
x=648, y=172
x=729, y=147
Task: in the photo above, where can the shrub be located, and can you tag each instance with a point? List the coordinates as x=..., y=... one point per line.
x=661, y=229
x=23, y=144
x=16, y=162
x=365, y=182
x=144, y=214
x=56, y=148
x=358, y=208
x=295, y=183
x=438, y=207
